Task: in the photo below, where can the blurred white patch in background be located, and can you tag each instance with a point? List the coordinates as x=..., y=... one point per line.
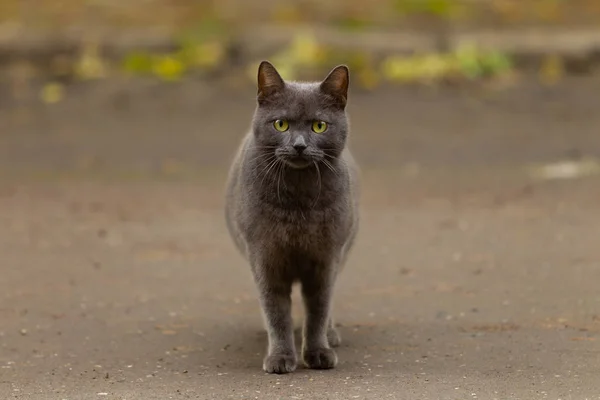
x=570, y=169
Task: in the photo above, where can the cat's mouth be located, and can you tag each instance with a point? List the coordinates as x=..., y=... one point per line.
x=298, y=162
x=298, y=159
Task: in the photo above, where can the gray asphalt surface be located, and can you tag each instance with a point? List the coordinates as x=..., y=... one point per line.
x=469, y=280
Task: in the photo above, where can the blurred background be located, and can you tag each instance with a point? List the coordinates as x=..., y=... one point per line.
x=185, y=59
x=475, y=123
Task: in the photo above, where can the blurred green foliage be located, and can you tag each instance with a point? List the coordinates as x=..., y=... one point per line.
x=204, y=29
x=353, y=24
x=439, y=8
x=349, y=13
x=199, y=48
x=304, y=56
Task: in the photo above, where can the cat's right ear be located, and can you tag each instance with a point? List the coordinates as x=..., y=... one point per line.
x=269, y=81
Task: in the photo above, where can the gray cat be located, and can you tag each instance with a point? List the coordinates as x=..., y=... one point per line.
x=292, y=209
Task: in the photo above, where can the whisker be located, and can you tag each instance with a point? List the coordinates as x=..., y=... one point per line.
x=273, y=165
x=261, y=156
x=302, y=214
x=331, y=167
x=262, y=163
x=319, y=182
x=267, y=169
x=280, y=172
x=337, y=159
x=283, y=172
x=332, y=158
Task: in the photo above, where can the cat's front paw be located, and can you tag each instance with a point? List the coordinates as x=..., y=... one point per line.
x=280, y=363
x=322, y=358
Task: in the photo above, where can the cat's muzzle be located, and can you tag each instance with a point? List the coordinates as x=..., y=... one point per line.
x=298, y=157
x=298, y=161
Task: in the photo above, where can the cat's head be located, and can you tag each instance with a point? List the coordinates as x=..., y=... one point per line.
x=302, y=123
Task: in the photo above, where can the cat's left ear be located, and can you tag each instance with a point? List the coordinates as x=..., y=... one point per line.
x=336, y=85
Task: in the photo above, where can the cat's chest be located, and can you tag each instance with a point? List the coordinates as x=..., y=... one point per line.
x=298, y=212
x=302, y=228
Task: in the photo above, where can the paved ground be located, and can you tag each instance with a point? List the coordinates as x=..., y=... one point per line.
x=469, y=280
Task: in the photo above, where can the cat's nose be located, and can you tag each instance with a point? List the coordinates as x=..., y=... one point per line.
x=300, y=148
x=299, y=144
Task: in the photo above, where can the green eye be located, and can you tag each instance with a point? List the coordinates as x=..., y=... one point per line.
x=319, y=126
x=281, y=125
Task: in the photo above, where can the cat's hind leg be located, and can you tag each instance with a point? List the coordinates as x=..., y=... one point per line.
x=333, y=335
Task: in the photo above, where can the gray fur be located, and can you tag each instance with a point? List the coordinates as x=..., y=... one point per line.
x=295, y=221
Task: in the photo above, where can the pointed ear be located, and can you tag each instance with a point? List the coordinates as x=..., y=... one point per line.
x=269, y=81
x=336, y=85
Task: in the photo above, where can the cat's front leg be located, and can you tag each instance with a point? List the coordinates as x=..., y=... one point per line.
x=276, y=304
x=317, y=292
